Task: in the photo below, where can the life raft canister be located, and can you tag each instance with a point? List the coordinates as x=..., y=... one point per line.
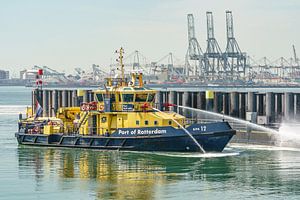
x=89, y=106
x=93, y=105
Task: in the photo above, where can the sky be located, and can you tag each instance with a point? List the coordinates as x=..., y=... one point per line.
x=64, y=34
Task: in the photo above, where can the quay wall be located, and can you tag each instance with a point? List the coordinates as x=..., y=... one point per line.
x=263, y=108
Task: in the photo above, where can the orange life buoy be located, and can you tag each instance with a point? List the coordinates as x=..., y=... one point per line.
x=83, y=107
x=101, y=107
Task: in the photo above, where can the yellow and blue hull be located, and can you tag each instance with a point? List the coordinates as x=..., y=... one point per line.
x=213, y=137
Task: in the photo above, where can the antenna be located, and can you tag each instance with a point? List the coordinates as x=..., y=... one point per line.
x=120, y=60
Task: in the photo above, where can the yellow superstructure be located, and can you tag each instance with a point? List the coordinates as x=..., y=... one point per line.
x=124, y=105
x=121, y=103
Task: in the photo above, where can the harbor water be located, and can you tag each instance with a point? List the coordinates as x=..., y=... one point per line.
x=241, y=172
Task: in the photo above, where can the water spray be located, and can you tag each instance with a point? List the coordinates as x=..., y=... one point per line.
x=289, y=135
x=186, y=131
x=222, y=116
x=286, y=136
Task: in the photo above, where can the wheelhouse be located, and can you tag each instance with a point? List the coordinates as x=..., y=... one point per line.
x=125, y=99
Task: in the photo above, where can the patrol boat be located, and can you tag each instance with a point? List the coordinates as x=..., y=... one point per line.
x=123, y=117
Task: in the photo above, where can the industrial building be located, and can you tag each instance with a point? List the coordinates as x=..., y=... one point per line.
x=4, y=74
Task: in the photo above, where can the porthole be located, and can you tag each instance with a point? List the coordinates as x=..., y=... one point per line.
x=103, y=119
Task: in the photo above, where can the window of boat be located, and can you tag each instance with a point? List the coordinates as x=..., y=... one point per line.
x=112, y=98
x=146, y=122
x=99, y=97
x=115, y=82
x=141, y=97
x=155, y=122
x=137, y=122
x=151, y=97
x=138, y=89
x=127, y=89
x=170, y=122
x=127, y=97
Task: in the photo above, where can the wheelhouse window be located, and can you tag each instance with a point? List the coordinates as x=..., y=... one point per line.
x=99, y=97
x=137, y=122
x=155, y=122
x=138, y=89
x=146, y=122
x=151, y=97
x=127, y=97
x=112, y=98
x=141, y=97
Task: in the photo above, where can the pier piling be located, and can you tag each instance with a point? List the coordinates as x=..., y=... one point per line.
x=270, y=106
x=226, y=103
x=54, y=102
x=217, y=102
x=251, y=104
x=278, y=107
x=260, y=106
x=75, y=98
x=85, y=96
x=64, y=98
x=297, y=113
x=70, y=101
x=234, y=104
x=45, y=103
x=173, y=100
x=201, y=100
x=159, y=100
x=59, y=98
x=50, y=99
x=242, y=106
x=178, y=98
x=186, y=103
x=288, y=105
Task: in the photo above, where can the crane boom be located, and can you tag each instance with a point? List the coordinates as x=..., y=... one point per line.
x=295, y=56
